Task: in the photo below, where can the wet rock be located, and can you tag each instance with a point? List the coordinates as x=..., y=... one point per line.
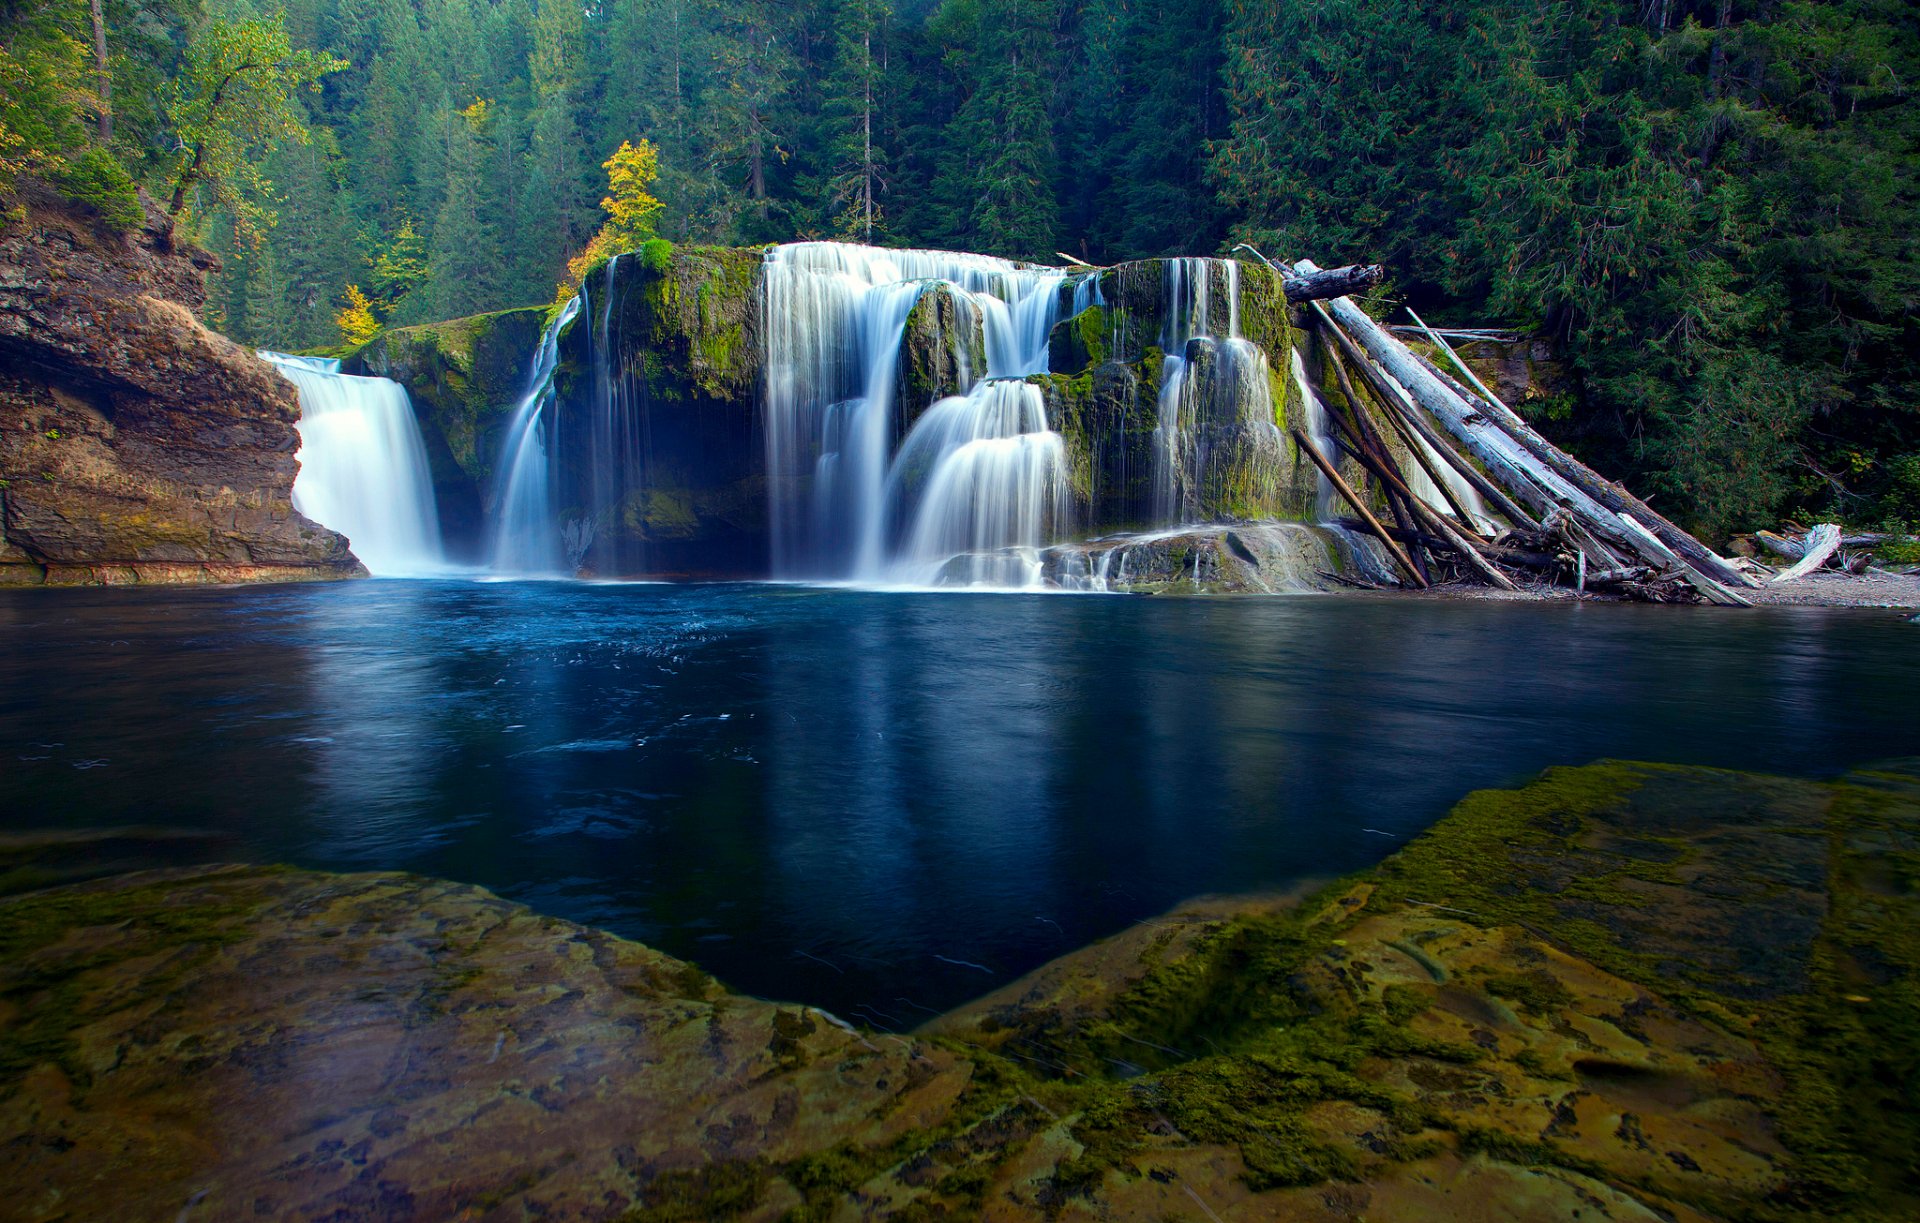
x=1242, y=558
x=465, y=377
x=135, y=444
x=943, y=350
x=1532, y=1012
x=346, y=1046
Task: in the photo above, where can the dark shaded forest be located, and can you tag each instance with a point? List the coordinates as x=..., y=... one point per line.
x=1711, y=208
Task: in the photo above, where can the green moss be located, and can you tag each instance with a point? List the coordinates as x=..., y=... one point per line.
x=50, y=988
x=1538, y=991
x=713, y=1191
x=656, y=255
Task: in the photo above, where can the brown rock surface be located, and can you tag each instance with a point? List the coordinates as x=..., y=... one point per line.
x=135, y=444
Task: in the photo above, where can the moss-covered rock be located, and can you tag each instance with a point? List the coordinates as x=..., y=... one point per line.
x=660, y=374
x=465, y=377
x=943, y=349
x=1625, y=991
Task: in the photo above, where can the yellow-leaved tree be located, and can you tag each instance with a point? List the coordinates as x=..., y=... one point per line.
x=356, y=321
x=630, y=208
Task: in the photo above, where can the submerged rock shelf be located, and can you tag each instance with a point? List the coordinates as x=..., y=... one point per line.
x=1638, y=991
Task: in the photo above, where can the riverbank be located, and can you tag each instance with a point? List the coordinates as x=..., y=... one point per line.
x=1649, y=991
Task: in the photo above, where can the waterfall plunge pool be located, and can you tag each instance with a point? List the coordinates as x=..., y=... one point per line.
x=882, y=804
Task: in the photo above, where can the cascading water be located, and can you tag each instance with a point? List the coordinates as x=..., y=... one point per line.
x=1238, y=377
x=526, y=527
x=994, y=493
x=363, y=466
x=978, y=473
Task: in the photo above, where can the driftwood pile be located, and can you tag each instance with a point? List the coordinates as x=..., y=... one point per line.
x=1804, y=550
x=1563, y=523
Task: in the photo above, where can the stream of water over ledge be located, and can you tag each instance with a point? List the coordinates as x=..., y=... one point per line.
x=878, y=803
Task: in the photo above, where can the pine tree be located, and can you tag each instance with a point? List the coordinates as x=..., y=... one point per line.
x=854, y=94
x=464, y=263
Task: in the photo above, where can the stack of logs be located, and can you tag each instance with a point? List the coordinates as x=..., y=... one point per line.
x=1565, y=524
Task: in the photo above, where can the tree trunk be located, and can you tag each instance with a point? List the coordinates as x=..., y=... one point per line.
x=104, y=77
x=1822, y=542
x=1353, y=499
x=1405, y=417
x=1333, y=282
x=1589, y=481
x=1531, y=482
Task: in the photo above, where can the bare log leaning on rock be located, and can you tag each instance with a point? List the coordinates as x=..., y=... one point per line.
x=1822, y=542
x=1470, y=549
x=1332, y=473
x=1602, y=490
x=1321, y=283
x=1523, y=474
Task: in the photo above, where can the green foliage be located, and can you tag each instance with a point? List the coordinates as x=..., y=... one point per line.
x=233, y=100
x=97, y=178
x=1705, y=217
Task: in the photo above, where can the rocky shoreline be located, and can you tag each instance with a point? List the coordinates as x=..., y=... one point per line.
x=1640, y=991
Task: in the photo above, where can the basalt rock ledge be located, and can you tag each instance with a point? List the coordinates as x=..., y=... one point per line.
x=136, y=445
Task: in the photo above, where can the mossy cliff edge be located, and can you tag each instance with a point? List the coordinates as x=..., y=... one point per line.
x=135, y=444
x=465, y=378
x=1623, y=991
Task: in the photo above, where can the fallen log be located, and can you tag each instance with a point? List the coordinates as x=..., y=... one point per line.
x=1407, y=419
x=1321, y=283
x=1365, y=443
x=1470, y=549
x=1590, y=482
x=1781, y=545
x=1418, y=452
x=1531, y=480
x=1332, y=473
x=1822, y=542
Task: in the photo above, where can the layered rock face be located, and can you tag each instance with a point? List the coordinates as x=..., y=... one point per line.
x=135, y=444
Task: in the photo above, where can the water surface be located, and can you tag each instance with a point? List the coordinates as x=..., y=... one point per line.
x=879, y=803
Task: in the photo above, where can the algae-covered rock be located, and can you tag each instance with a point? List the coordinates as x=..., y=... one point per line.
x=943, y=349
x=1625, y=991
x=464, y=376
x=389, y=1046
x=1243, y=558
x=661, y=377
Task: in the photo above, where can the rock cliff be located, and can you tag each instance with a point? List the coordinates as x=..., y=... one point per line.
x=136, y=445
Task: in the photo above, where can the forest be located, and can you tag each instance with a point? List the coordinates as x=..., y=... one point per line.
x=1709, y=208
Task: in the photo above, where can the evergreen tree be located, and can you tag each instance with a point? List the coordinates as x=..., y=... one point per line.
x=855, y=92
x=464, y=265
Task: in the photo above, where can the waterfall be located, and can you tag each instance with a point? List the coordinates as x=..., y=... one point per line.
x=527, y=537
x=842, y=503
x=363, y=466
x=1234, y=376
x=994, y=489
x=1321, y=436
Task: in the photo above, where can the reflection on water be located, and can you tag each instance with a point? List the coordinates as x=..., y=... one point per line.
x=877, y=803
